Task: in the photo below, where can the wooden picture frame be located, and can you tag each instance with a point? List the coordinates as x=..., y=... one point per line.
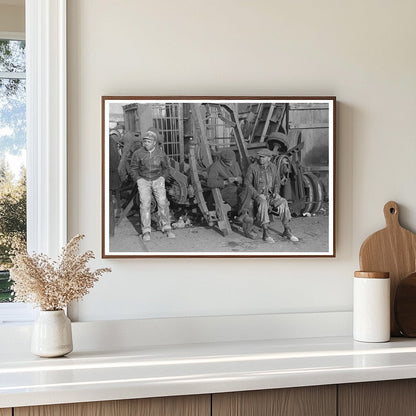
x=293, y=136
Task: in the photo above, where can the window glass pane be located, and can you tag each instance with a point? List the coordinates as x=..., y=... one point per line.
x=13, y=121
x=12, y=174
x=12, y=56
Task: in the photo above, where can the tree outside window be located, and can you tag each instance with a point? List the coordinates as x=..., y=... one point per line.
x=12, y=156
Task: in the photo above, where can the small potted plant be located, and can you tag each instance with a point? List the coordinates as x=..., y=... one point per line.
x=52, y=286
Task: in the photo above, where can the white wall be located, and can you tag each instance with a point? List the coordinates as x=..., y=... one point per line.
x=12, y=17
x=363, y=52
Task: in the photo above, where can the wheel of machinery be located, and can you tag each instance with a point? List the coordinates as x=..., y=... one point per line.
x=318, y=192
x=309, y=193
x=283, y=168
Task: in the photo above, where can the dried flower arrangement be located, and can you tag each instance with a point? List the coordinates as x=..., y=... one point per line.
x=53, y=285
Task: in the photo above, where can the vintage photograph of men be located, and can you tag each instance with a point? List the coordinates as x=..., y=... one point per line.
x=218, y=176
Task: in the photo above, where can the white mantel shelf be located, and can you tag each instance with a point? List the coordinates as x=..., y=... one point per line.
x=167, y=370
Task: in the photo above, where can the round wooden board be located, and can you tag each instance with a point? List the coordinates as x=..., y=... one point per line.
x=393, y=250
x=405, y=306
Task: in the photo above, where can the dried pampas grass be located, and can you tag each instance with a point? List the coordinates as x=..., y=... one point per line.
x=53, y=285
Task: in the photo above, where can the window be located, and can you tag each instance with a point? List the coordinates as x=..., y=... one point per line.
x=12, y=154
x=12, y=165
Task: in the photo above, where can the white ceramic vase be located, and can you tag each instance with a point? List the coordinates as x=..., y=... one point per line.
x=52, y=334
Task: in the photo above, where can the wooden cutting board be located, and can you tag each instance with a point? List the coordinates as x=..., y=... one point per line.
x=393, y=250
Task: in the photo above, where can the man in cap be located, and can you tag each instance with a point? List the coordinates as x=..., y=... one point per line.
x=115, y=181
x=131, y=143
x=226, y=175
x=149, y=168
x=262, y=180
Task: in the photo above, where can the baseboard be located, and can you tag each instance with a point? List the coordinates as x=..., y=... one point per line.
x=110, y=335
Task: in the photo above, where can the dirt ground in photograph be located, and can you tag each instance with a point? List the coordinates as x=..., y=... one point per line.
x=311, y=231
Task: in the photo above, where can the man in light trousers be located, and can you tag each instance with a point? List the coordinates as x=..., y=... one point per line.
x=149, y=167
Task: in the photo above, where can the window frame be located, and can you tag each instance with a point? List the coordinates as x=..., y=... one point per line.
x=46, y=125
x=46, y=137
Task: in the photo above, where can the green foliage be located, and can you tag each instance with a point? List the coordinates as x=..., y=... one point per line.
x=6, y=294
x=12, y=213
x=12, y=55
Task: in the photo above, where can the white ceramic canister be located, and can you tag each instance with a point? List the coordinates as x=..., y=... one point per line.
x=371, y=310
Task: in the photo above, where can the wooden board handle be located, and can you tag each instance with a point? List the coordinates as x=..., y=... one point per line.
x=391, y=214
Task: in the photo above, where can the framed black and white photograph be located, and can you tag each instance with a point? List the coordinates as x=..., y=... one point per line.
x=218, y=176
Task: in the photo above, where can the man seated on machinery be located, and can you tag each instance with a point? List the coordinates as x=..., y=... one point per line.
x=226, y=175
x=263, y=187
x=131, y=143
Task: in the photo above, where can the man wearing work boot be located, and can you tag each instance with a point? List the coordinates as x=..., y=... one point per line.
x=263, y=183
x=149, y=168
x=226, y=175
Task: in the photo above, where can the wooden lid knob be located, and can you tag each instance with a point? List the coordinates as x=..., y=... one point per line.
x=372, y=275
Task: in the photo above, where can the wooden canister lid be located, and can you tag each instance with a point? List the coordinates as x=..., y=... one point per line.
x=372, y=275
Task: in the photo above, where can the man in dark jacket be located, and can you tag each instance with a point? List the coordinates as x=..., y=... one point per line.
x=263, y=183
x=131, y=143
x=149, y=168
x=115, y=181
x=226, y=175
